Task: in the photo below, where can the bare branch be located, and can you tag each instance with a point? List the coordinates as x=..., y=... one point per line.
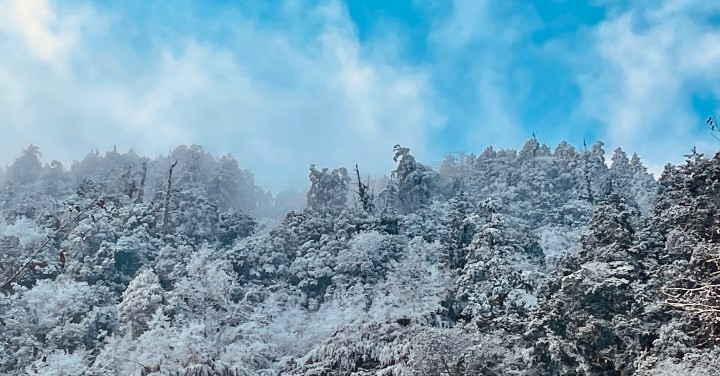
x=59, y=227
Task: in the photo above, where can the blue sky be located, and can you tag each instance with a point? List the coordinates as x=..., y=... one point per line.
x=282, y=84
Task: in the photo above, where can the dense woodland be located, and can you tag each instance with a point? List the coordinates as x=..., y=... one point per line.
x=530, y=262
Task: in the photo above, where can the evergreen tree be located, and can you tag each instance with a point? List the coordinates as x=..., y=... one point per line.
x=328, y=190
x=26, y=169
x=591, y=323
x=416, y=183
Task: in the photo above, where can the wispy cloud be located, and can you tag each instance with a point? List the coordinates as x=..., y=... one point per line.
x=646, y=65
x=475, y=49
x=35, y=28
x=276, y=102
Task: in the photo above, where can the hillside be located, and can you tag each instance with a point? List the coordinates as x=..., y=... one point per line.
x=533, y=262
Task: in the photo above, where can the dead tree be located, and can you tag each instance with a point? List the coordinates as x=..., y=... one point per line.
x=166, y=208
x=366, y=196
x=143, y=176
x=586, y=175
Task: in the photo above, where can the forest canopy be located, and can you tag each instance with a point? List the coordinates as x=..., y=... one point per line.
x=532, y=262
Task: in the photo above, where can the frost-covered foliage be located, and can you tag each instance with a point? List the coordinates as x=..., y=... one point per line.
x=535, y=262
x=328, y=189
x=413, y=184
x=53, y=317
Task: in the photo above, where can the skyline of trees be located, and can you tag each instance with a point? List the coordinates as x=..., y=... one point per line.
x=535, y=261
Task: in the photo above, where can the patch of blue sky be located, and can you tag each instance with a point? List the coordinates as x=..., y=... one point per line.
x=541, y=84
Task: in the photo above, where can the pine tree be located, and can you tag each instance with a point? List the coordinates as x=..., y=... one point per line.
x=590, y=323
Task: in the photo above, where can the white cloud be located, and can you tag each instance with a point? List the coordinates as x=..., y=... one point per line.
x=479, y=41
x=649, y=62
x=31, y=20
x=275, y=102
x=36, y=24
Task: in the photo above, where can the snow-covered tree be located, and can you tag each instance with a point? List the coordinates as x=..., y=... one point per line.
x=26, y=169
x=416, y=183
x=140, y=300
x=329, y=189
